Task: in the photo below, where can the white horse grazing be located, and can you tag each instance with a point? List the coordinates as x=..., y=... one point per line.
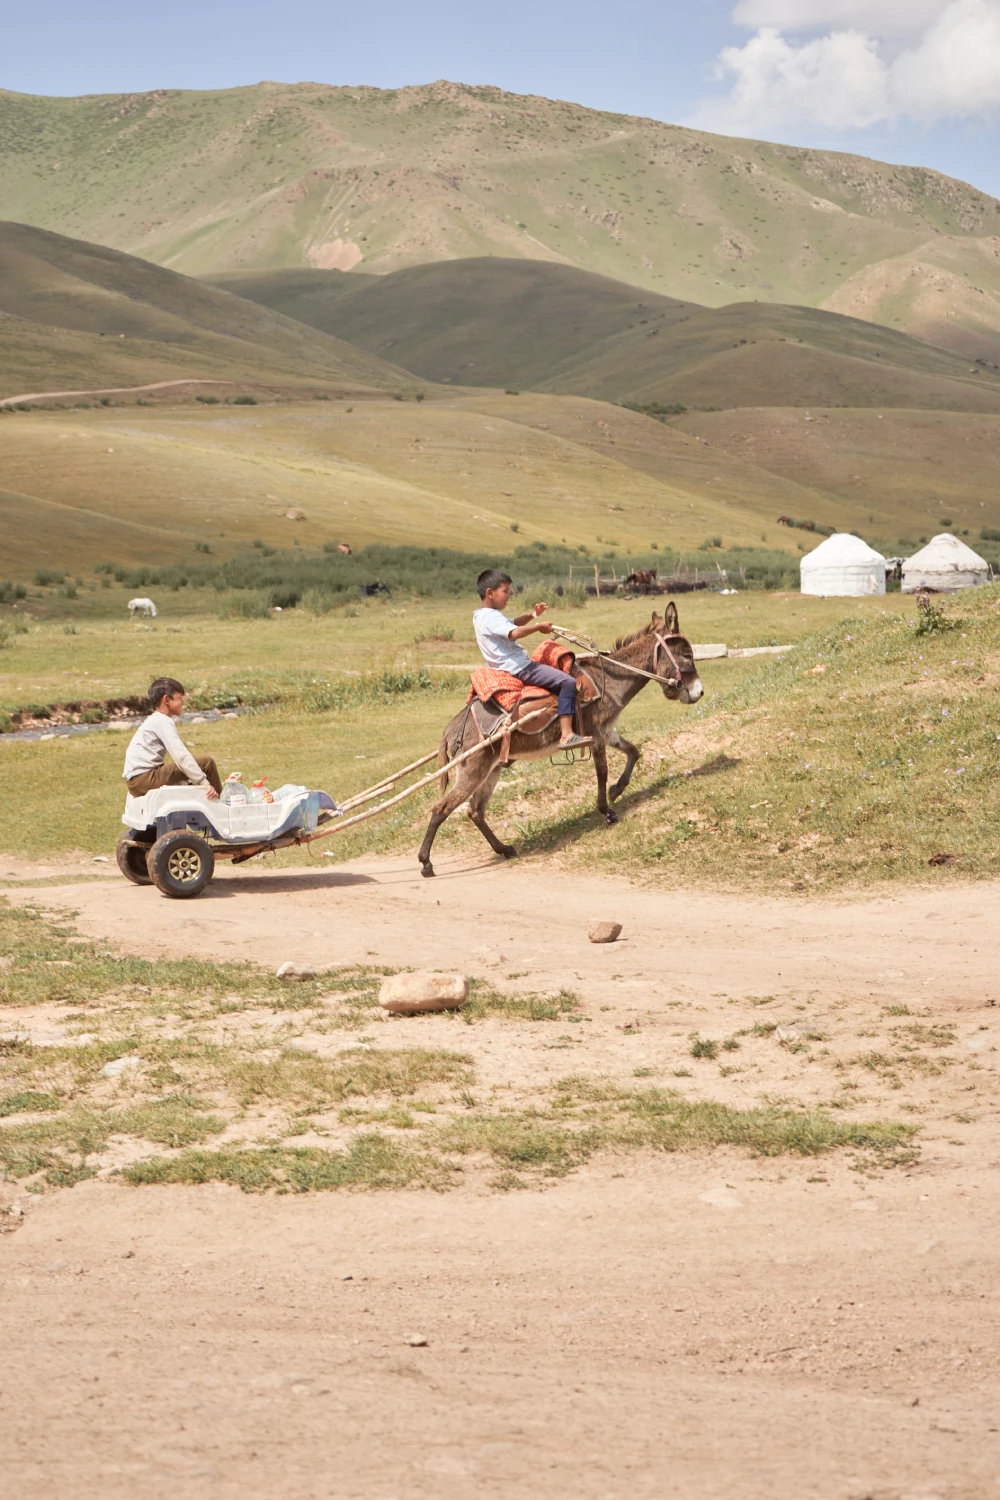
x=142, y=607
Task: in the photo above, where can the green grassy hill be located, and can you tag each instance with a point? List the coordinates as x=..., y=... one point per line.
x=947, y=291
x=900, y=473
x=485, y=321
x=555, y=328
x=478, y=473
x=81, y=315
x=300, y=175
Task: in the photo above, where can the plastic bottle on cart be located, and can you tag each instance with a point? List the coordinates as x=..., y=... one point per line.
x=234, y=793
x=259, y=792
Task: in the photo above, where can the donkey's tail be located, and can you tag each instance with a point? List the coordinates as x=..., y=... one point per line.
x=444, y=756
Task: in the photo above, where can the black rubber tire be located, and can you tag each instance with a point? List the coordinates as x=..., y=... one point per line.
x=180, y=865
x=132, y=862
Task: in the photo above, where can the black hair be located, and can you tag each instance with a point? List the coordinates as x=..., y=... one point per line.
x=491, y=578
x=163, y=687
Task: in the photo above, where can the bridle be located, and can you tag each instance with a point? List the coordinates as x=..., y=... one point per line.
x=661, y=644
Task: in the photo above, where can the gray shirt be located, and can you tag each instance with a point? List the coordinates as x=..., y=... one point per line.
x=153, y=741
x=493, y=638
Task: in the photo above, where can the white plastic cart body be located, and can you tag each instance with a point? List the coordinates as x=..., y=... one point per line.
x=175, y=834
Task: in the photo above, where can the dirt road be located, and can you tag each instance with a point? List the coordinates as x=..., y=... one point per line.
x=672, y=1326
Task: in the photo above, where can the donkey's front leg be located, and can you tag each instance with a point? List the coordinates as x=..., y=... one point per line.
x=632, y=759
x=600, y=756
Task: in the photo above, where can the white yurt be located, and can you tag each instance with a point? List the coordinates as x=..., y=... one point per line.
x=945, y=564
x=843, y=565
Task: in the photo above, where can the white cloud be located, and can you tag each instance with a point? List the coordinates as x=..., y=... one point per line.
x=874, y=17
x=876, y=62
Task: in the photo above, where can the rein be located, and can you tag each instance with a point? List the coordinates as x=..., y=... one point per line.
x=625, y=666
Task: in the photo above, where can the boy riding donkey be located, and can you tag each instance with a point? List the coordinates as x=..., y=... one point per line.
x=497, y=639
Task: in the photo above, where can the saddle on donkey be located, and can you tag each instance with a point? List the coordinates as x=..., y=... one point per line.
x=494, y=693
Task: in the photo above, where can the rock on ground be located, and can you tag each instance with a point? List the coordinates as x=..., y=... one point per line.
x=424, y=989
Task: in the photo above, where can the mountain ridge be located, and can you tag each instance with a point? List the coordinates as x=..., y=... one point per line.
x=283, y=175
x=550, y=327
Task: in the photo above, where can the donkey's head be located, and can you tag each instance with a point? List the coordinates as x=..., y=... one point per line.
x=673, y=658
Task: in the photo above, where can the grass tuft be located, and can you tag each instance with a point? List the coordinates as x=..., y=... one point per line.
x=486, y=1002
x=371, y=1161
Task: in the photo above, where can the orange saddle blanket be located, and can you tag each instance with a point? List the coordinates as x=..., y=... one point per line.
x=491, y=682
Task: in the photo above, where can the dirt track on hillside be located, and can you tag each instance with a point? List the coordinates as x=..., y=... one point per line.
x=669, y=1326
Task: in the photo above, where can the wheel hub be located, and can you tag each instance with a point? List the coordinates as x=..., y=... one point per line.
x=184, y=865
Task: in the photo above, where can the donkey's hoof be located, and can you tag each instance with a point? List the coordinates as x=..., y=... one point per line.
x=508, y=851
x=614, y=792
x=611, y=817
x=427, y=869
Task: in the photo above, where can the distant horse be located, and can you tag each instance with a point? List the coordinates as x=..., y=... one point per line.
x=656, y=652
x=142, y=607
x=643, y=579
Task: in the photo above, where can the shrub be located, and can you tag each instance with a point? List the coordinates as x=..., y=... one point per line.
x=246, y=607
x=656, y=409
x=208, y=400
x=244, y=400
x=45, y=578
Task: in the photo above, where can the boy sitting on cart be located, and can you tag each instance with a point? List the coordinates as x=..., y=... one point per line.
x=497, y=638
x=156, y=738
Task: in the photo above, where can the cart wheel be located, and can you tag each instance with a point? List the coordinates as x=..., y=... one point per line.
x=180, y=864
x=132, y=862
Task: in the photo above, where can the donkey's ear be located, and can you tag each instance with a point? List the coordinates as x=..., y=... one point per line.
x=656, y=623
x=670, y=619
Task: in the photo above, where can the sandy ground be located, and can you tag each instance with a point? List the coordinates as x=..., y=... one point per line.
x=680, y=1326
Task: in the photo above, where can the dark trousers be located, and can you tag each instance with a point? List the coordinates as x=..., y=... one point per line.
x=560, y=684
x=169, y=775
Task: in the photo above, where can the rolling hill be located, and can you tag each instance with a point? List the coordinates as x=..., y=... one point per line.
x=548, y=327
x=305, y=175
x=75, y=314
x=474, y=472
x=899, y=473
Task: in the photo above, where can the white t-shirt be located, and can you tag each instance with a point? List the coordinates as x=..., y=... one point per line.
x=493, y=638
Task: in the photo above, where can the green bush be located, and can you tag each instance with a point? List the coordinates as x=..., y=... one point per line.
x=246, y=607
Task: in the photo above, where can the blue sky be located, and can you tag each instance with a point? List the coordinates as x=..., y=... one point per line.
x=913, y=81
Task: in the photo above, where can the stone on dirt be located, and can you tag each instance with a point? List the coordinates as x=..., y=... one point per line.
x=416, y=1341
x=121, y=1065
x=409, y=994
x=604, y=932
x=296, y=971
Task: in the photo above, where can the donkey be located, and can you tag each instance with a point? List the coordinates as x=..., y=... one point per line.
x=657, y=651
